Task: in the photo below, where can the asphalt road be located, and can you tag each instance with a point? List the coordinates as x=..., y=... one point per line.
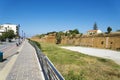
x=6, y=45
x=9, y=49
x=104, y=53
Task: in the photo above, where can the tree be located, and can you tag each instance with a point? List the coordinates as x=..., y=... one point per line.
x=9, y=34
x=109, y=29
x=2, y=38
x=95, y=26
x=42, y=35
x=58, y=37
x=117, y=30
x=51, y=32
x=75, y=31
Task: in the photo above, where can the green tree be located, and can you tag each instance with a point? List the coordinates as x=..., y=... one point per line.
x=58, y=37
x=9, y=34
x=75, y=31
x=109, y=29
x=95, y=26
x=42, y=35
x=2, y=38
x=117, y=30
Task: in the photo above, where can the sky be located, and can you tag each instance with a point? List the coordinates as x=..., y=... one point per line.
x=42, y=16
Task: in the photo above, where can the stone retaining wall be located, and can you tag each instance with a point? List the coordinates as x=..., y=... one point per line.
x=104, y=41
x=98, y=42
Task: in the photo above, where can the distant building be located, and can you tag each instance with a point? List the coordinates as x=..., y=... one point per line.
x=91, y=32
x=8, y=26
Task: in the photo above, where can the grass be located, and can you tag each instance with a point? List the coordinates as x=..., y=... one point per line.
x=75, y=66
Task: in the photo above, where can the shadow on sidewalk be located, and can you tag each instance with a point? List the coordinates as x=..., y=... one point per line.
x=10, y=56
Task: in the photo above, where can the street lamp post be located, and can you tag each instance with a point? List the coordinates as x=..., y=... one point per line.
x=18, y=34
x=6, y=33
x=22, y=34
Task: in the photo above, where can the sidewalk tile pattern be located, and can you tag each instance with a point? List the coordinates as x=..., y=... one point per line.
x=26, y=66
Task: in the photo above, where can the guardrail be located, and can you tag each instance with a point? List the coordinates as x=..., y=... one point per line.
x=49, y=71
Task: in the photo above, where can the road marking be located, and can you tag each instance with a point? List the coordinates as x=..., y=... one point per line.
x=9, y=49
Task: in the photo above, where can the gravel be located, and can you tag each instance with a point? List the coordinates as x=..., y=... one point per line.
x=104, y=53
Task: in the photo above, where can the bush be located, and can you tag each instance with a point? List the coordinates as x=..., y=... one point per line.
x=37, y=43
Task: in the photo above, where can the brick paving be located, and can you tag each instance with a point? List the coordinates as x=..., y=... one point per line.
x=26, y=66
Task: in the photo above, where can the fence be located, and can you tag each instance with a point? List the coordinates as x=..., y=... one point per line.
x=49, y=71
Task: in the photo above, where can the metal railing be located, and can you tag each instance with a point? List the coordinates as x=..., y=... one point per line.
x=49, y=71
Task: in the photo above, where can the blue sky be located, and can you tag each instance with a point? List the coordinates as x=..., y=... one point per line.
x=42, y=16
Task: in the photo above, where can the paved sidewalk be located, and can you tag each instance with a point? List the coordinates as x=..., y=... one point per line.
x=26, y=66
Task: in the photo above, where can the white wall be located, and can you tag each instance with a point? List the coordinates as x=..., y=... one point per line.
x=9, y=27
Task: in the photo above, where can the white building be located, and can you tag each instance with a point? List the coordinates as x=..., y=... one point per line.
x=6, y=27
x=90, y=32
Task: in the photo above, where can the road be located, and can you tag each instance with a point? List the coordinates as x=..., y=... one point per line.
x=9, y=50
x=104, y=53
x=5, y=45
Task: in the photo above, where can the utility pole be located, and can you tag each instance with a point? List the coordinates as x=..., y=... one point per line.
x=6, y=33
x=19, y=34
x=22, y=34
